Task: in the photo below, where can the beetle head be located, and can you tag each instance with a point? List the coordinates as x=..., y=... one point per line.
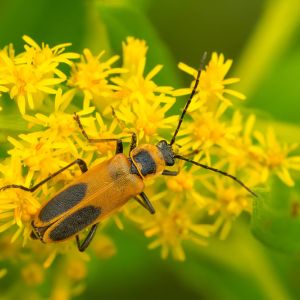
x=167, y=152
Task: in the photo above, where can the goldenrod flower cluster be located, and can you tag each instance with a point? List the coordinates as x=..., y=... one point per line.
x=193, y=206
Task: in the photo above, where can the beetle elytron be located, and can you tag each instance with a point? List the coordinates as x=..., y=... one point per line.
x=103, y=189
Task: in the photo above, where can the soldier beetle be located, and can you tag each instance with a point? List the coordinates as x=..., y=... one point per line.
x=103, y=189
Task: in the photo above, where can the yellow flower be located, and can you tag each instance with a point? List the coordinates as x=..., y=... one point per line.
x=185, y=185
x=29, y=76
x=133, y=86
x=174, y=222
x=208, y=130
x=41, y=155
x=275, y=157
x=60, y=125
x=76, y=269
x=148, y=119
x=6, y=55
x=61, y=142
x=134, y=56
x=228, y=201
x=172, y=225
x=17, y=207
x=46, y=59
x=98, y=128
x=242, y=156
x=212, y=87
x=103, y=246
x=33, y=274
x=91, y=77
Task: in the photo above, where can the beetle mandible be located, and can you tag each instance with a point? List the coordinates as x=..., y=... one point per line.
x=103, y=189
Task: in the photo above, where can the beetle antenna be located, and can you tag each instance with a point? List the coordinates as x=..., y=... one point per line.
x=190, y=98
x=217, y=171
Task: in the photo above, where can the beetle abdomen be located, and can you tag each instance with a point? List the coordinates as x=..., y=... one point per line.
x=62, y=202
x=74, y=223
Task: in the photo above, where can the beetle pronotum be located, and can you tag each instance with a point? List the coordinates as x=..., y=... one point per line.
x=103, y=189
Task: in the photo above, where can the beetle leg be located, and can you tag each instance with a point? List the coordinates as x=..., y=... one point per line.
x=170, y=173
x=119, y=147
x=133, y=142
x=145, y=202
x=82, y=246
x=81, y=163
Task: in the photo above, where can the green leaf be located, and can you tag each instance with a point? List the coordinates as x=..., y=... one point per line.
x=276, y=218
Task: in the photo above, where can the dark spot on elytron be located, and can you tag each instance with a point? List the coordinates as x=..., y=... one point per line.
x=147, y=162
x=63, y=201
x=75, y=223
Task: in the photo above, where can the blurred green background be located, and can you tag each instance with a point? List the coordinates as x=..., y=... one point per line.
x=263, y=38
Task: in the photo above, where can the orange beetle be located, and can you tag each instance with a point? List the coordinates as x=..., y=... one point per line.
x=103, y=189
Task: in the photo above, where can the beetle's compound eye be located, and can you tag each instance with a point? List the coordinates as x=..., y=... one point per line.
x=167, y=152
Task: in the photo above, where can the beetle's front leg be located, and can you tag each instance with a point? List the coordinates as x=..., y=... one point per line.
x=119, y=146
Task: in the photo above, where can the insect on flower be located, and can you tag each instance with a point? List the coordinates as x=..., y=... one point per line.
x=102, y=190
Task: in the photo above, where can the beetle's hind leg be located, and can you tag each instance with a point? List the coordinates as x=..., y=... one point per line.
x=81, y=163
x=82, y=246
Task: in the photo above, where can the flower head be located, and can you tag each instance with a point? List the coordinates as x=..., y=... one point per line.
x=275, y=157
x=33, y=74
x=227, y=201
x=173, y=224
x=212, y=87
x=17, y=207
x=209, y=130
x=134, y=56
x=147, y=119
x=91, y=76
